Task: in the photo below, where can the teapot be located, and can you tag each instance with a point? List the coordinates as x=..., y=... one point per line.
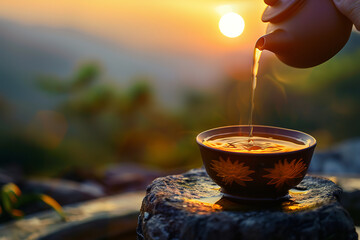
x=304, y=33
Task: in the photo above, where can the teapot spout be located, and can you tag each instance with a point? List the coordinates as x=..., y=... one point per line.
x=274, y=41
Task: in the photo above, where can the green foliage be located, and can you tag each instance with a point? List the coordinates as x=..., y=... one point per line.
x=107, y=123
x=85, y=77
x=12, y=200
x=82, y=79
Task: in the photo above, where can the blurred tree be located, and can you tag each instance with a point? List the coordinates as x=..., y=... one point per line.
x=107, y=123
x=97, y=122
x=82, y=79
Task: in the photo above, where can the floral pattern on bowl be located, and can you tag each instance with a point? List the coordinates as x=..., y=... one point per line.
x=256, y=175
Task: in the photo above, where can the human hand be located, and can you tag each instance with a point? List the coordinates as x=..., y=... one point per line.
x=351, y=9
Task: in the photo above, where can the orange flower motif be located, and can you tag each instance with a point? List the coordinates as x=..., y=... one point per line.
x=284, y=172
x=232, y=171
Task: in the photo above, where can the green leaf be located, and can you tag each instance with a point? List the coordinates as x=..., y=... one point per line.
x=53, y=204
x=28, y=198
x=6, y=202
x=10, y=194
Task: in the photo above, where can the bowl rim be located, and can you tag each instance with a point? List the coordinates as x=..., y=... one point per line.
x=312, y=141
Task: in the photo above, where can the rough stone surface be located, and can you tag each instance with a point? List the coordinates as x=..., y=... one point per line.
x=350, y=198
x=341, y=159
x=191, y=206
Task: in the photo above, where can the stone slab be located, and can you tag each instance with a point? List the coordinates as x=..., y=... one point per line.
x=191, y=206
x=350, y=197
x=104, y=218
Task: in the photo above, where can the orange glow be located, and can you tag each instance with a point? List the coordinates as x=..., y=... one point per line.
x=12, y=188
x=258, y=144
x=231, y=25
x=17, y=213
x=199, y=207
x=48, y=200
x=189, y=26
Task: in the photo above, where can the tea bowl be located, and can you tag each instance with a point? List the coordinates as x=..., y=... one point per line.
x=256, y=176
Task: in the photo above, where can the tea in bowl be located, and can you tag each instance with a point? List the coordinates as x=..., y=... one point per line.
x=261, y=167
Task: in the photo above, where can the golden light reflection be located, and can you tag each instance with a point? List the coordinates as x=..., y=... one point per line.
x=298, y=201
x=298, y=206
x=231, y=25
x=200, y=207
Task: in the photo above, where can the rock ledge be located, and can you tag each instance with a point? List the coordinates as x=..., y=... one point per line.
x=191, y=206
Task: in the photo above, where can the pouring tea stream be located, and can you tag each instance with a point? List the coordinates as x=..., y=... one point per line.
x=302, y=34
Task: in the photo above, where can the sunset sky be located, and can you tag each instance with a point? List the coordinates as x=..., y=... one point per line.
x=186, y=26
x=176, y=43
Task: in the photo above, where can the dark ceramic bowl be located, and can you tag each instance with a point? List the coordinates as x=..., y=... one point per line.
x=262, y=176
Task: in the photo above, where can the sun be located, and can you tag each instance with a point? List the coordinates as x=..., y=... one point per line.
x=231, y=25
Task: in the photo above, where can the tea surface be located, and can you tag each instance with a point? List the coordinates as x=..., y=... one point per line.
x=258, y=144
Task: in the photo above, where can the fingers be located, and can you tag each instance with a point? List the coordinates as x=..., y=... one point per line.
x=351, y=9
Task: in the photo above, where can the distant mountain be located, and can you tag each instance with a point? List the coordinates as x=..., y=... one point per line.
x=22, y=58
x=27, y=51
